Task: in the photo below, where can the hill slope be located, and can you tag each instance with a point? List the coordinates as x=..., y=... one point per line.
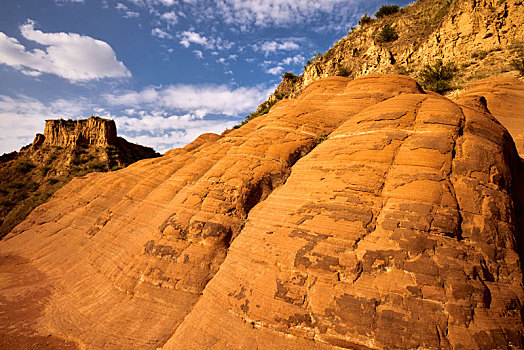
x=481, y=38
x=362, y=214
x=67, y=149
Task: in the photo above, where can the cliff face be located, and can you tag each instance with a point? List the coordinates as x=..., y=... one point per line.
x=94, y=131
x=66, y=149
x=362, y=214
x=480, y=37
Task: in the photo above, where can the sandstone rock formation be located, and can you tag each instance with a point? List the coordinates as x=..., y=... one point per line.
x=94, y=131
x=504, y=99
x=67, y=148
x=364, y=214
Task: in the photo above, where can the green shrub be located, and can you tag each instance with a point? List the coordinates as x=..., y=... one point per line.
x=116, y=167
x=387, y=34
x=518, y=65
x=479, y=54
x=343, y=71
x=438, y=76
x=96, y=165
x=16, y=185
x=263, y=109
x=316, y=57
x=24, y=166
x=7, y=203
x=289, y=76
x=322, y=138
x=387, y=10
x=365, y=19
x=53, y=180
x=328, y=55
x=31, y=186
x=45, y=169
x=76, y=160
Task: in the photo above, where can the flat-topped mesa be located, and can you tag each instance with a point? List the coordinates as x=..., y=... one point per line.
x=94, y=131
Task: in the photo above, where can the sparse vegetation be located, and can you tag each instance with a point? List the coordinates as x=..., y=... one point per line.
x=364, y=20
x=96, y=165
x=263, y=109
x=45, y=169
x=386, y=34
x=518, y=65
x=24, y=166
x=322, y=138
x=438, y=76
x=479, y=54
x=387, y=10
x=316, y=57
x=53, y=180
x=289, y=76
x=343, y=71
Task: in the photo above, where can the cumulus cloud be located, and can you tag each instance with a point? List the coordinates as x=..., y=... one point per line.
x=268, y=47
x=160, y=117
x=167, y=132
x=159, y=33
x=297, y=60
x=127, y=13
x=169, y=17
x=202, y=100
x=275, y=12
x=275, y=70
x=188, y=37
x=22, y=117
x=71, y=56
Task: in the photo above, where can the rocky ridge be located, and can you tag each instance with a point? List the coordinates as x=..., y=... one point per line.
x=68, y=148
x=482, y=38
x=363, y=214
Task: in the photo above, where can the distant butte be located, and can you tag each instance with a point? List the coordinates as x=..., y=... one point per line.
x=364, y=214
x=67, y=149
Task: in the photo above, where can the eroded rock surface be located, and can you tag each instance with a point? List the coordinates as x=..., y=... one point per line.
x=505, y=100
x=398, y=231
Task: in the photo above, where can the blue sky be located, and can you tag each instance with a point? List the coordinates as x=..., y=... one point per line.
x=164, y=70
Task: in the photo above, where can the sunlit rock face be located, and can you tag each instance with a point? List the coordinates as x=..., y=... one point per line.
x=364, y=214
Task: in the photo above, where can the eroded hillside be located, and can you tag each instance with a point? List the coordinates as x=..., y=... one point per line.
x=363, y=214
x=480, y=38
x=67, y=149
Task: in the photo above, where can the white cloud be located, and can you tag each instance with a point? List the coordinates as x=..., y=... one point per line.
x=202, y=100
x=71, y=56
x=169, y=17
x=275, y=70
x=276, y=12
x=21, y=117
x=187, y=38
x=163, y=118
x=199, y=54
x=272, y=46
x=159, y=33
x=165, y=133
x=126, y=11
x=298, y=59
x=137, y=2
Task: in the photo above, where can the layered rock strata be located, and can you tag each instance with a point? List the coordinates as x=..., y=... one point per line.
x=363, y=214
x=504, y=98
x=67, y=148
x=94, y=131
